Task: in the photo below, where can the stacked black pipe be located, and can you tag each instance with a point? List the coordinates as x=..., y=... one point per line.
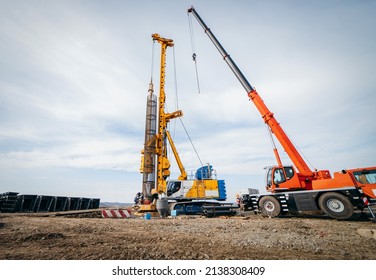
x=11, y=202
x=226, y=209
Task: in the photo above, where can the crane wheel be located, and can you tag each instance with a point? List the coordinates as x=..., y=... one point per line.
x=336, y=205
x=269, y=206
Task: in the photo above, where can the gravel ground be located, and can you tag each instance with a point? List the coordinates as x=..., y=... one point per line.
x=89, y=237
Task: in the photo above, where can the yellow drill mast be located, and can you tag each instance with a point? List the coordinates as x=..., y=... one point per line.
x=156, y=146
x=163, y=164
x=155, y=164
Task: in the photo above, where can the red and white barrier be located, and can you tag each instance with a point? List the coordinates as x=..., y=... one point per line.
x=116, y=213
x=366, y=201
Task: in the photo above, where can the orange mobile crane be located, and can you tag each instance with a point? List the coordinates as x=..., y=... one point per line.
x=297, y=187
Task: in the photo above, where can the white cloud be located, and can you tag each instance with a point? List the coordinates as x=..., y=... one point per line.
x=74, y=79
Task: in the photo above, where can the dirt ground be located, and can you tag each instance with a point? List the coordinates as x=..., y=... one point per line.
x=90, y=237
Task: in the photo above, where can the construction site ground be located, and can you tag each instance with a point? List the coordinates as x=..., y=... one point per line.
x=90, y=237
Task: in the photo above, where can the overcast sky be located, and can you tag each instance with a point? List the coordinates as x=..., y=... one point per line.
x=74, y=77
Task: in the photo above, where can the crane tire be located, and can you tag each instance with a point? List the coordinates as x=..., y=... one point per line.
x=336, y=206
x=269, y=206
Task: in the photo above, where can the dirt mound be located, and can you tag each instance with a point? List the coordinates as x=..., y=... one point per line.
x=253, y=237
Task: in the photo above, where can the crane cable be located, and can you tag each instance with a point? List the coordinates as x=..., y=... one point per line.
x=191, y=141
x=176, y=96
x=176, y=91
x=176, y=81
x=194, y=56
x=177, y=107
x=152, y=61
x=270, y=132
x=303, y=155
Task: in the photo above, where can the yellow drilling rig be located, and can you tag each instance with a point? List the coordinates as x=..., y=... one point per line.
x=185, y=195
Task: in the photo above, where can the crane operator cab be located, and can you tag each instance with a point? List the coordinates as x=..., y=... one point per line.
x=173, y=187
x=365, y=178
x=202, y=186
x=281, y=178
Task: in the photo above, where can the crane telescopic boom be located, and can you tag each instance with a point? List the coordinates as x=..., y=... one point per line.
x=267, y=115
x=304, y=190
